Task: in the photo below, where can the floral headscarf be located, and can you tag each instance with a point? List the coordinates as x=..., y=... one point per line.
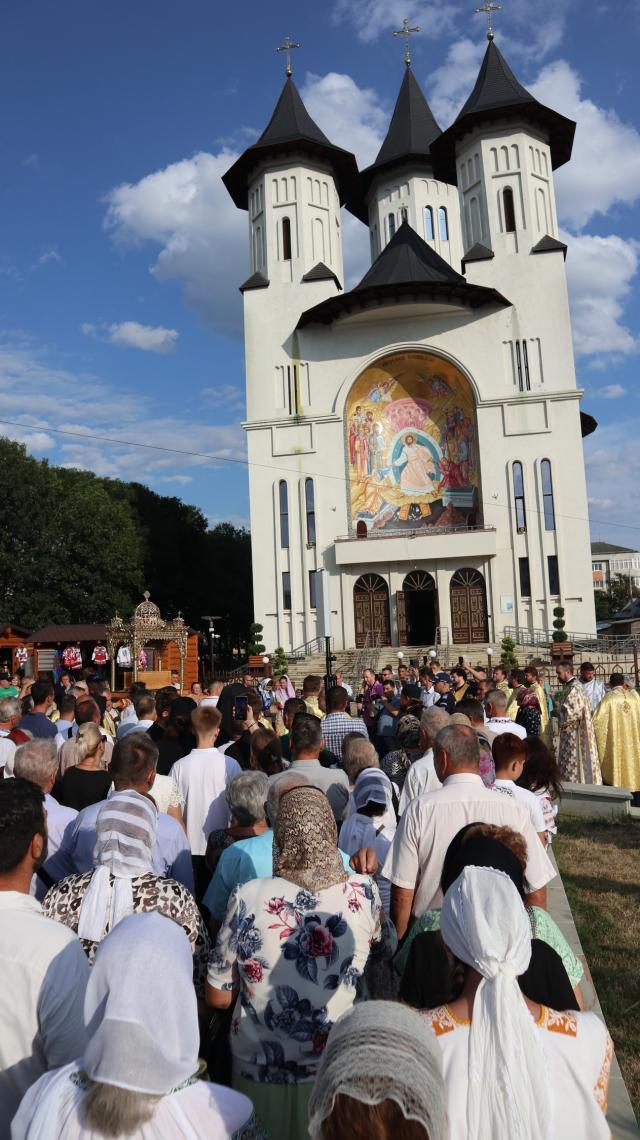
x=527, y=699
x=305, y=849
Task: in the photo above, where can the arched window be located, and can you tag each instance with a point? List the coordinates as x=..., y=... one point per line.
x=509, y=210
x=361, y=529
x=474, y=216
x=518, y=498
x=391, y=223
x=310, y=509
x=404, y=214
x=428, y=223
x=284, y=514
x=443, y=224
x=547, y=497
x=286, y=239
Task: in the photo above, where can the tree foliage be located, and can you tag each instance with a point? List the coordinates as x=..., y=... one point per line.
x=611, y=601
x=508, y=658
x=78, y=548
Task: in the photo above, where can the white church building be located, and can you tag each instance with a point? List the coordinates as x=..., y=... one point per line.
x=418, y=436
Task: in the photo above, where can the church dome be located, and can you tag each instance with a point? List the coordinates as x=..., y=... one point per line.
x=498, y=95
x=291, y=130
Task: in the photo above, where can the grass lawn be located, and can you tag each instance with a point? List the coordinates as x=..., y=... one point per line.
x=600, y=867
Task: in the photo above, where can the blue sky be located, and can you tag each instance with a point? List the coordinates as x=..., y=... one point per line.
x=121, y=254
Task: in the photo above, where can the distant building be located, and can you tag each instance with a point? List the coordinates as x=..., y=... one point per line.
x=608, y=561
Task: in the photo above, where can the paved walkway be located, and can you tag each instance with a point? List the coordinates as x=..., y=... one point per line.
x=620, y=1115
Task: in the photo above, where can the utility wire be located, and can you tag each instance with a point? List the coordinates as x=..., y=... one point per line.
x=91, y=437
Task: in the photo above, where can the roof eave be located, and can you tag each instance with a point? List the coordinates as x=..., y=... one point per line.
x=561, y=132
x=469, y=296
x=342, y=164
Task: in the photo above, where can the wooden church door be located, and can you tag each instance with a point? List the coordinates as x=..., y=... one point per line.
x=371, y=609
x=469, y=623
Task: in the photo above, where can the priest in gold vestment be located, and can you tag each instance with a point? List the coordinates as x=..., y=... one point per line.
x=532, y=681
x=578, y=751
x=616, y=722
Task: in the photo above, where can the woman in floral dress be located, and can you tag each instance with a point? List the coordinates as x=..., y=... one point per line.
x=289, y=954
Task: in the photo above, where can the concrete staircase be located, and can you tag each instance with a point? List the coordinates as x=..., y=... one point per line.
x=346, y=659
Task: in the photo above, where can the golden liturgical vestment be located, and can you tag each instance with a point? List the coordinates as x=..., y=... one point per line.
x=616, y=722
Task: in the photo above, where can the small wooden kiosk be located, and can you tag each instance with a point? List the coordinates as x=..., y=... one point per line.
x=13, y=637
x=176, y=644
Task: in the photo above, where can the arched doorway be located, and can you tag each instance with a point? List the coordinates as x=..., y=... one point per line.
x=417, y=609
x=468, y=607
x=371, y=608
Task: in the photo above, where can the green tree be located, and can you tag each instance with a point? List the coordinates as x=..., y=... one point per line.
x=507, y=653
x=255, y=645
x=615, y=597
x=279, y=662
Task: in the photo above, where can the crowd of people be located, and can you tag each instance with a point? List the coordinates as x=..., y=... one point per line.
x=259, y=912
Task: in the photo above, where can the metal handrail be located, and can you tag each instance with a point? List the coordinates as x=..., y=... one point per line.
x=307, y=650
x=543, y=637
x=423, y=532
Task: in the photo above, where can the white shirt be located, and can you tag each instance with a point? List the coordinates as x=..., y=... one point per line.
x=427, y=696
x=430, y=823
x=60, y=820
x=499, y=724
x=594, y=691
x=133, y=726
x=44, y=973
x=529, y=799
x=66, y=729
x=202, y=777
x=7, y=753
x=420, y=778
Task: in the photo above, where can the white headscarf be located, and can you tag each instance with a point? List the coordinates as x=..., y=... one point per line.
x=382, y=1051
x=359, y=831
x=389, y=817
x=141, y=1014
x=484, y=923
x=126, y=832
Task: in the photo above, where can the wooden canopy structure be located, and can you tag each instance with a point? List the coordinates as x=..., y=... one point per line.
x=146, y=627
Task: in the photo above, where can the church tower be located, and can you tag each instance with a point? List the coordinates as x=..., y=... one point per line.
x=400, y=185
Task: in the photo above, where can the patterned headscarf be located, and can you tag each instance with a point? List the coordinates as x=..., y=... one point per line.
x=305, y=849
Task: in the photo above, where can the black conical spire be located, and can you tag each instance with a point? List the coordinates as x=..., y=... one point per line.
x=411, y=132
x=290, y=129
x=497, y=94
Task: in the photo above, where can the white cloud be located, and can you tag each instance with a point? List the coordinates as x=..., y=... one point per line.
x=149, y=338
x=352, y=117
x=371, y=18
x=181, y=480
x=225, y=396
x=186, y=211
x=32, y=160
x=131, y=334
x=612, y=392
x=51, y=254
x=613, y=478
x=449, y=85
x=43, y=400
x=600, y=273
x=605, y=166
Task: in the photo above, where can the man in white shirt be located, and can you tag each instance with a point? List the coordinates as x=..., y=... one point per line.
x=133, y=768
x=10, y=715
x=43, y=967
x=430, y=822
x=201, y=777
x=594, y=689
x=37, y=761
x=427, y=691
x=497, y=720
x=145, y=709
x=306, y=746
x=509, y=756
x=421, y=776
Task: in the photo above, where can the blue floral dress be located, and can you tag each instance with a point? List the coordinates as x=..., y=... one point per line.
x=296, y=956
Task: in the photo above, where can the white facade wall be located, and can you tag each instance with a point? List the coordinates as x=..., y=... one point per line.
x=432, y=209
x=298, y=384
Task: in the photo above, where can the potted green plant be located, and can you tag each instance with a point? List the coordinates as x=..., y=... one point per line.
x=508, y=657
x=560, y=647
x=279, y=663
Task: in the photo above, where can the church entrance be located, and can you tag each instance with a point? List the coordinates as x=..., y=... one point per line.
x=371, y=608
x=417, y=609
x=468, y=607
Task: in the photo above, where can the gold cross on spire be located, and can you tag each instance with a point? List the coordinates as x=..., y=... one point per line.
x=288, y=46
x=406, y=31
x=488, y=8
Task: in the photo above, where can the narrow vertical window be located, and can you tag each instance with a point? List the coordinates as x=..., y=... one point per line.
x=443, y=224
x=525, y=577
x=518, y=496
x=313, y=589
x=509, y=210
x=428, y=223
x=554, y=575
x=391, y=222
x=310, y=509
x=525, y=361
x=519, y=365
x=286, y=239
x=547, y=497
x=284, y=514
x=404, y=214
x=286, y=590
